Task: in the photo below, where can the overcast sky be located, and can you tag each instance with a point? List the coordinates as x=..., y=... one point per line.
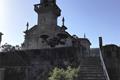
x=93, y=17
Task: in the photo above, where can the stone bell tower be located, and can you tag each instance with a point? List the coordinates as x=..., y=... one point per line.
x=46, y=33
x=48, y=13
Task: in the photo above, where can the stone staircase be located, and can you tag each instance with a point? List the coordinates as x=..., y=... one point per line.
x=91, y=69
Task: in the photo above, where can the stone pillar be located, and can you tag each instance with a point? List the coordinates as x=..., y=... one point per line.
x=2, y=70
x=100, y=42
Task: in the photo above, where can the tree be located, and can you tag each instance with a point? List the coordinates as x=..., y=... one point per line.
x=7, y=47
x=62, y=74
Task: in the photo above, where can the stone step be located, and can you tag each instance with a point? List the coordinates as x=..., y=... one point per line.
x=92, y=79
x=92, y=58
x=91, y=72
x=89, y=77
x=94, y=61
x=92, y=75
x=91, y=61
x=90, y=66
x=94, y=69
x=94, y=64
x=91, y=69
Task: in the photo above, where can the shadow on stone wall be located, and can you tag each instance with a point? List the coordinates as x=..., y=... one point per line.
x=36, y=64
x=111, y=54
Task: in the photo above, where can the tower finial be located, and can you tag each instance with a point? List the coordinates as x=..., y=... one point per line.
x=63, y=21
x=27, y=25
x=1, y=37
x=63, y=24
x=84, y=35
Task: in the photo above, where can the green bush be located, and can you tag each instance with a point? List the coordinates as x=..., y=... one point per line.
x=62, y=74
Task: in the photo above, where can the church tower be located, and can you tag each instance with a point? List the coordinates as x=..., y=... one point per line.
x=48, y=12
x=46, y=33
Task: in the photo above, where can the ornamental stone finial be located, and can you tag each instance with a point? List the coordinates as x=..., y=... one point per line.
x=63, y=21
x=1, y=37
x=27, y=25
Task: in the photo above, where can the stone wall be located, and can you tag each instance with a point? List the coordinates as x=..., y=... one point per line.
x=111, y=54
x=36, y=64
x=2, y=73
